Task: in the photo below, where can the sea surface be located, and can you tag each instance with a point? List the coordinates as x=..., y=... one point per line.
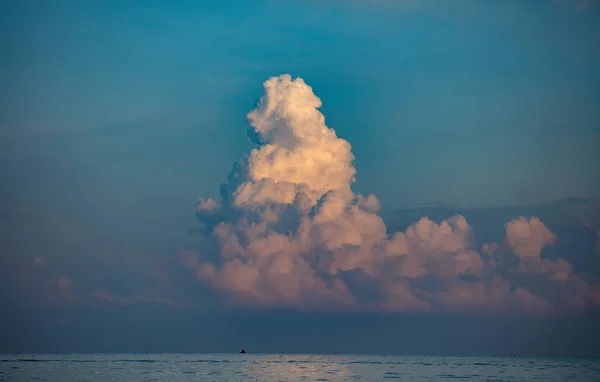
x=290, y=367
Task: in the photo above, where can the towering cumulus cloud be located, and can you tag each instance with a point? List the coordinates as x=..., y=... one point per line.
x=290, y=232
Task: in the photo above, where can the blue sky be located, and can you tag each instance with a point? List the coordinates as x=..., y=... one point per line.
x=485, y=103
x=116, y=116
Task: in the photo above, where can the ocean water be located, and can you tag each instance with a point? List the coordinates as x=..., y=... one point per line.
x=290, y=367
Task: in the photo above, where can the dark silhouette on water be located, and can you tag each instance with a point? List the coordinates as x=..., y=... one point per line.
x=243, y=351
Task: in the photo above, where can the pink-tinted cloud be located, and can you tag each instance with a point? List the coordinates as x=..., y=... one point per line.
x=291, y=232
x=527, y=237
x=64, y=283
x=38, y=261
x=41, y=283
x=111, y=298
x=59, y=290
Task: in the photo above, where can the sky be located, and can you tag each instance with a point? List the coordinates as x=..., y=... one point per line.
x=394, y=158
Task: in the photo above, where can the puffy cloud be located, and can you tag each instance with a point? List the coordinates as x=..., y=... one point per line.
x=527, y=237
x=299, y=157
x=290, y=232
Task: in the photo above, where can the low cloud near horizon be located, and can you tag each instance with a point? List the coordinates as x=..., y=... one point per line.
x=290, y=232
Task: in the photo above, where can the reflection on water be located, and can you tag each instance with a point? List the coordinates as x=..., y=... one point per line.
x=296, y=367
x=257, y=367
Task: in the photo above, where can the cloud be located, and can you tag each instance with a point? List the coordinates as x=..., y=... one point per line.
x=64, y=283
x=38, y=261
x=59, y=290
x=289, y=231
x=527, y=237
x=44, y=285
x=39, y=282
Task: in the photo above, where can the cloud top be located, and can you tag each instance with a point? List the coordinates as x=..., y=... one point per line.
x=527, y=237
x=299, y=158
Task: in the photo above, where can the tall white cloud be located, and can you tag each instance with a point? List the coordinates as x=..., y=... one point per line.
x=290, y=231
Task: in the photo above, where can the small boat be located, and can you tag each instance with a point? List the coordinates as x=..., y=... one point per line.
x=243, y=351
